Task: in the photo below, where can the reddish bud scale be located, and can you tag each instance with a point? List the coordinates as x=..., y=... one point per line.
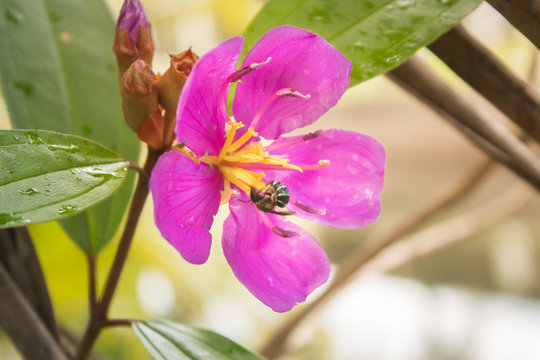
x=127, y=51
x=172, y=81
x=152, y=131
x=149, y=103
x=171, y=84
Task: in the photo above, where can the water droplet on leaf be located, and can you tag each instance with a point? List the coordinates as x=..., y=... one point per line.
x=30, y=191
x=67, y=209
x=11, y=219
x=95, y=172
x=404, y=3
x=392, y=59
x=33, y=138
x=69, y=148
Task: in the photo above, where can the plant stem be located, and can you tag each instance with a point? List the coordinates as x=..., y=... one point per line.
x=23, y=325
x=483, y=71
x=489, y=135
x=524, y=15
x=118, y=322
x=19, y=258
x=92, y=293
x=98, y=318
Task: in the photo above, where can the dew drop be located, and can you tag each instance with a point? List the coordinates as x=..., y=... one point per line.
x=318, y=15
x=33, y=138
x=392, y=59
x=95, y=172
x=357, y=46
x=11, y=219
x=69, y=148
x=404, y=3
x=67, y=209
x=30, y=191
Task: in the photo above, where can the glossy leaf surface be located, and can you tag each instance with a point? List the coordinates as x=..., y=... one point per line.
x=375, y=35
x=168, y=340
x=49, y=176
x=58, y=73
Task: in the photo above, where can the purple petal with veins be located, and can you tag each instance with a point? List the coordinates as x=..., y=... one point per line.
x=279, y=271
x=348, y=190
x=186, y=198
x=300, y=60
x=201, y=112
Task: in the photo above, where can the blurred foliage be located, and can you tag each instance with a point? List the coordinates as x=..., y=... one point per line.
x=56, y=64
x=374, y=36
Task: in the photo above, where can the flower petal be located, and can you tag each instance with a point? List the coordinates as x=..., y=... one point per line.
x=348, y=190
x=300, y=60
x=186, y=198
x=199, y=121
x=278, y=271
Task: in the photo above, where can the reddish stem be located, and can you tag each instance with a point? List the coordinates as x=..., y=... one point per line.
x=98, y=315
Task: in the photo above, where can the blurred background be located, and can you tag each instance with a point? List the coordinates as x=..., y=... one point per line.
x=466, y=287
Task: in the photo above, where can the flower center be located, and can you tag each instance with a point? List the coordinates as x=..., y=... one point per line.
x=241, y=161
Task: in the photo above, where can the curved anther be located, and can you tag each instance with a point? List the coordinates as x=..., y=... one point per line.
x=322, y=164
x=307, y=208
x=237, y=75
x=293, y=140
x=283, y=233
x=291, y=92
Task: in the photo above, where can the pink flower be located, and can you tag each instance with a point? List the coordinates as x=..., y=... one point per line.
x=289, y=79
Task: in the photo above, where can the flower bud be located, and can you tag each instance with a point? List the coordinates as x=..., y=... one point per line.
x=171, y=84
x=172, y=81
x=139, y=90
x=132, y=39
x=132, y=17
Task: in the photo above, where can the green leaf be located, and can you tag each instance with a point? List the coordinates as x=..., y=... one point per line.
x=166, y=340
x=58, y=73
x=375, y=35
x=49, y=176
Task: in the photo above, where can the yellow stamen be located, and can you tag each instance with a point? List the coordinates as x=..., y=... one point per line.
x=230, y=159
x=242, y=178
x=243, y=139
x=229, y=138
